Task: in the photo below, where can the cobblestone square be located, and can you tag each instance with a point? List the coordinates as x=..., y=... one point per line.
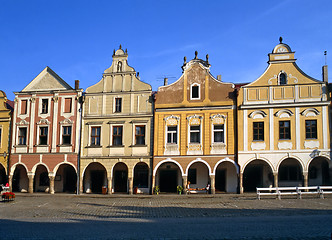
x=231, y=216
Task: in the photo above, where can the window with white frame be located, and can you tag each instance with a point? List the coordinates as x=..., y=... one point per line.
x=44, y=107
x=24, y=106
x=140, y=135
x=95, y=136
x=195, y=134
x=172, y=134
x=22, y=136
x=117, y=136
x=118, y=105
x=43, y=135
x=195, y=91
x=218, y=133
x=282, y=78
x=66, y=135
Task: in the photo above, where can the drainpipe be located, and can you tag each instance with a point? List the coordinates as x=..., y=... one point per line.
x=81, y=100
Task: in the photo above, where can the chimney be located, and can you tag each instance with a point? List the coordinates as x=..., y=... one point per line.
x=324, y=73
x=219, y=78
x=77, y=84
x=165, y=81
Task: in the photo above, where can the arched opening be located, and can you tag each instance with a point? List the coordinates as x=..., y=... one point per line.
x=41, y=180
x=198, y=175
x=257, y=173
x=319, y=172
x=65, y=179
x=168, y=177
x=95, y=177
x=141, y=177
x=3, y=175
x=290, y=173
x=20, y=182
x=120, y=176
x=226, y=177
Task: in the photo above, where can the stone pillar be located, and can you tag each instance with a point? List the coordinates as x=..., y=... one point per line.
x=305, y=179
x=275, y=178
x=130, y=185
x=81, y=184
x=153, y=183
x=241, y=182
x=30, y=188
x=213, y=183
x=51, y=184
x=109, y=185
x=10, y=182
x=184, y=183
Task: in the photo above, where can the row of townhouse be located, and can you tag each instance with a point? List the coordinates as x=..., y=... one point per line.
x=119, y=136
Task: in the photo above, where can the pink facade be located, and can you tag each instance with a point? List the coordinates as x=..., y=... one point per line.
x=45, y=144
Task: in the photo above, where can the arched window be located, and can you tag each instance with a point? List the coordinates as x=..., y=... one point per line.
x=119, y=66
x=282, y=79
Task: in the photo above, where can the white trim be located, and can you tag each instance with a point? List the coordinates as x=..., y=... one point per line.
x=61, y=163
x=34, y=168
x=167, y=160
x=40, y=106
x=284, y=113
x=134, y=133
x=111, y=132
x=297, y=129
x=201, y=161
x=90, y=127
x=19, y=107
x=12, y=169
x=114, y=104
x=199, y=91
x=325, y=126
x=226, y=160
x=32, y=122
x=310, y=112
x=271, y=129
x=258, y=114
x=245, y=130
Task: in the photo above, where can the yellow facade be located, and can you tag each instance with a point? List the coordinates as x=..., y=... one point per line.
x=194, y=135
x=5, y=121
x=291, y=109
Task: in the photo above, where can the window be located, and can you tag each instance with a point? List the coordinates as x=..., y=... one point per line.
x=68, y=102
x=43, y=132
x=140, y=135
x=195, y=92
x=117, y=135
x=95, y=136
x=192, y=175
x=282, y=79
x=195, y=134
x=218, y=133
x=24, y=104
x=284, y=130
x=258, y=131
x=118, y=104
x=311, y=129
x=290, y=173
x=22, y=136
x=44, y=106
x=66, y=135
x=172, y=134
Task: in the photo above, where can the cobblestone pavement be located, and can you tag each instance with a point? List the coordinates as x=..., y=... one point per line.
x=230, y=216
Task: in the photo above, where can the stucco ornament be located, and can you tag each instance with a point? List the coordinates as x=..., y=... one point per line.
x=218, y=119
x=194, y=120
x=172, y=120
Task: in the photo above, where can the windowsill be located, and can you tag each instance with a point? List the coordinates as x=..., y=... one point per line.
x=94, y=146
x=138, y=145
x=115, y=146
x=258, y=140
x=311, y=139
x=65, y=145
x=285, y=139
x=20, y=145
x=41, y=145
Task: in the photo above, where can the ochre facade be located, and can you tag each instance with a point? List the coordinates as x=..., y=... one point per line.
x=5, y=124
x=194, y=132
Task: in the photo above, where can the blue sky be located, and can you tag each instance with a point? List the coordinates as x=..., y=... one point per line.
x=76, y=38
